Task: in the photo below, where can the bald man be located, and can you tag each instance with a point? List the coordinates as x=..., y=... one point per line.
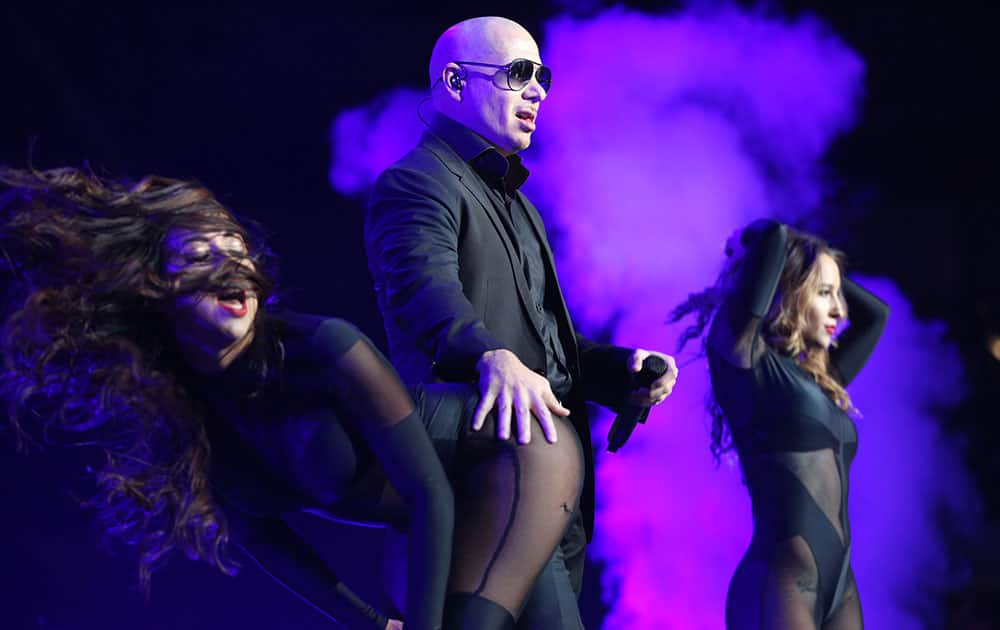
x=466, y=281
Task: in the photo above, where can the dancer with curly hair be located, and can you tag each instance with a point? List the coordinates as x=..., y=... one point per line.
x=143, y=323
x=779, y=371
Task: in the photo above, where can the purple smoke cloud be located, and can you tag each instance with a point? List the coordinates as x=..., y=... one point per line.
x=908, y=478
x=366, y=140
x=662, y=135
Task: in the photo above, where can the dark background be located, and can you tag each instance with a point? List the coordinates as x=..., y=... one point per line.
x=242, y=98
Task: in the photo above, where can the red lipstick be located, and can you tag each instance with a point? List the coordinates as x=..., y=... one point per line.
x=235, y=310
x=235, y=303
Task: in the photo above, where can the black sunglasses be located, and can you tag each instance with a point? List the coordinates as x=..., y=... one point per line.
x=519, y=72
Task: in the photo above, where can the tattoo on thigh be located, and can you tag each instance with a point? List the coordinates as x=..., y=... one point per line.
x=806, y=586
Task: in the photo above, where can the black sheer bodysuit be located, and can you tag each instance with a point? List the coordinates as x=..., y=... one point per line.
x=314, y=416
x=795, y=446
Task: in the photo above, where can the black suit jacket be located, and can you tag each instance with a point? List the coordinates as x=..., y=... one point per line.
x=450, y=286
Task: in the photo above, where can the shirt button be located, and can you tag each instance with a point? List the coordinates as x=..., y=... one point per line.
x=539, y=308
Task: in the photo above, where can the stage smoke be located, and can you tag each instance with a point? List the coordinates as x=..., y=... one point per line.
x=663, y=134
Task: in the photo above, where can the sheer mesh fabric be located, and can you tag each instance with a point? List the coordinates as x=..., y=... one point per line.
x=819, y=474
x=779, y=583
x=795, y=448
x=786, y=589
x=513, y=501
x=848, y=615
x=334, y=428
x=781, y=592
x=369, y=390
x=776, y=591
x=513, y=504
x=367, y=386
x=818, y=471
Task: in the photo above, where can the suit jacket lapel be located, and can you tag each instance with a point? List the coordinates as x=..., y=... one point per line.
x=474, y=184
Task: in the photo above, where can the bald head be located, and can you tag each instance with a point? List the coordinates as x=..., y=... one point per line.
x=477, y=39
x=477, y=92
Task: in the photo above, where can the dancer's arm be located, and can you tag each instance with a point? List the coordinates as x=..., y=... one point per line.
x=366, y=386
x=867, y=315
x=735, y=329
x=281, y=553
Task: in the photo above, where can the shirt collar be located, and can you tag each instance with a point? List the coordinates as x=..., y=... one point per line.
x=480, y=154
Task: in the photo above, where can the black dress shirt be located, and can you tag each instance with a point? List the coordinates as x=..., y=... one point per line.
x=504, y=176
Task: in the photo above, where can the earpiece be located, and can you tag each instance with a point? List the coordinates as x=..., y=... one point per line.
x=455, y=82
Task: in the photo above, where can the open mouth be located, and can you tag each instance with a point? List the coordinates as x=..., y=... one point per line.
x=234, y=301
x=526, y=116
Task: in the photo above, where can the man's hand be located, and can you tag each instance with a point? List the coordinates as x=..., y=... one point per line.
x=506, y=383
x=394, y=624
x=661, y=387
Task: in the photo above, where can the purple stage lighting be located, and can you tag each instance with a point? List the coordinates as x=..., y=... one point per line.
x=663, y=134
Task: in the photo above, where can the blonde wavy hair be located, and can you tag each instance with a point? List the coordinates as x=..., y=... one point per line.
x=782, y=327
x=785, y=323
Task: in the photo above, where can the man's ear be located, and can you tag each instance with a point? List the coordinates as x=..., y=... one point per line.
x=453, y=78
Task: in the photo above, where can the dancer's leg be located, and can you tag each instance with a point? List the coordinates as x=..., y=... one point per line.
x=514, y=503
x=847, y=616
x=553, y=602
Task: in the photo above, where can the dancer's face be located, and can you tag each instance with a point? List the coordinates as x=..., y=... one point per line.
x=213, y=321
x=826, y=308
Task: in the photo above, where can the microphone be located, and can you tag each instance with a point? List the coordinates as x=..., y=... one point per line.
x=653, y=367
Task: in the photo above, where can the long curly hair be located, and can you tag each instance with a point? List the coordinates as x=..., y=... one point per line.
x=87, y=346
x=782, y=328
